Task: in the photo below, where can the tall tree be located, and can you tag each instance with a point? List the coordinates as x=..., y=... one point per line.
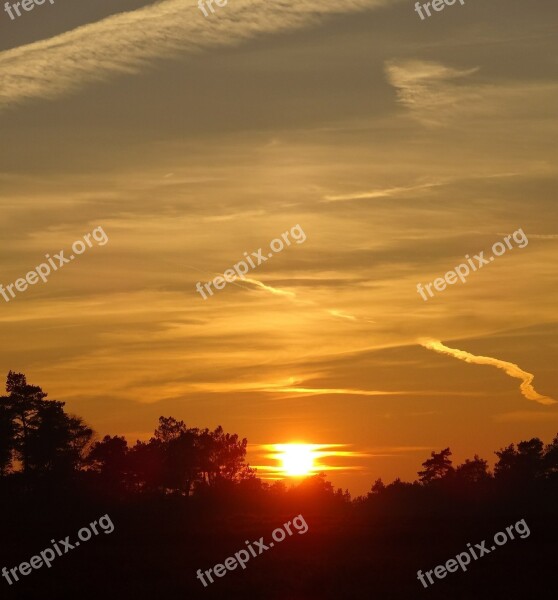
x=56, y=440
x=437, y=467
x=179, y=449
x=42, y=435
x=221, y=455
x=23, y=402
x=169, y=429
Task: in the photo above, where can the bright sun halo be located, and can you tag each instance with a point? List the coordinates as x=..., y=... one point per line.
x=297, y=459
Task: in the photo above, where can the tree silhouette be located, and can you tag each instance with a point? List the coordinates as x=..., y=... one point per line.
x=378, y=487
x=23, y=404
x=524, y=464
x=179, y=459
x=56, y=441
x=473, y=471
x=226, y=455
x=169, y=429
x=180, y=454
x=550, y=459
x=109, y=457
x=437, y=467
x=38, y=431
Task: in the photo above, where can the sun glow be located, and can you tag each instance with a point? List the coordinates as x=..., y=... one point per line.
x=296, y=459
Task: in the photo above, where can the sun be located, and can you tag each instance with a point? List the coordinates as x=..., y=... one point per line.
x=297, y=459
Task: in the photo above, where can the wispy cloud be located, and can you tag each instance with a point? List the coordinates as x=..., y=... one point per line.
x=428, y=89
x=269, y=288
x=338, y=313
x=128, y=42
x=328, y=391
x=511, y=369
x=380, y=193
x=436, y=94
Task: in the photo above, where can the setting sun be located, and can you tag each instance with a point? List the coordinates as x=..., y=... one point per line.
x=296, y=459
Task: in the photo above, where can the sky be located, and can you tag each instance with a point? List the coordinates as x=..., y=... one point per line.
x=397, y=145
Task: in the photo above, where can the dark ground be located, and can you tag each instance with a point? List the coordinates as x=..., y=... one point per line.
x=358, y=552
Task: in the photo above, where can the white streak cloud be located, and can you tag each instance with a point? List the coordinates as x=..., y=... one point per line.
x=511, y=369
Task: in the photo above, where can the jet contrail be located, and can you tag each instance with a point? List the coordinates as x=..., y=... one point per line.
x=511, y=369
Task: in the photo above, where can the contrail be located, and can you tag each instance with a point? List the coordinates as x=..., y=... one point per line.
x=511, y=369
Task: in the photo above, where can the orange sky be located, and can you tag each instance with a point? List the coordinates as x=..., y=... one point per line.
x=398, y=146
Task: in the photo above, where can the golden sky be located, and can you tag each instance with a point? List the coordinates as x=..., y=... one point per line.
x=398, y=146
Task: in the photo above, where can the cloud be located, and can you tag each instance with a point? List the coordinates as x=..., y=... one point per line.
x=269, y=288
x=436, y=94
x=429, y=89
x=511, y=369
x=129, y=41
x=338, y=313
x=328, y=391
x=381, y=193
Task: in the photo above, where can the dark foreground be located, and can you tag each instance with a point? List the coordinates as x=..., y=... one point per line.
x=352, y=550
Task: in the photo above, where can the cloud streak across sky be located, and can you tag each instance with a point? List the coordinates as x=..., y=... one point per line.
x=125, y=42
x=511, y=369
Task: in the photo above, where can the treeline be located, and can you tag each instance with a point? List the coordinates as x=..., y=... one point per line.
x=39, y=441
x=525, y=463
x=525, y=478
